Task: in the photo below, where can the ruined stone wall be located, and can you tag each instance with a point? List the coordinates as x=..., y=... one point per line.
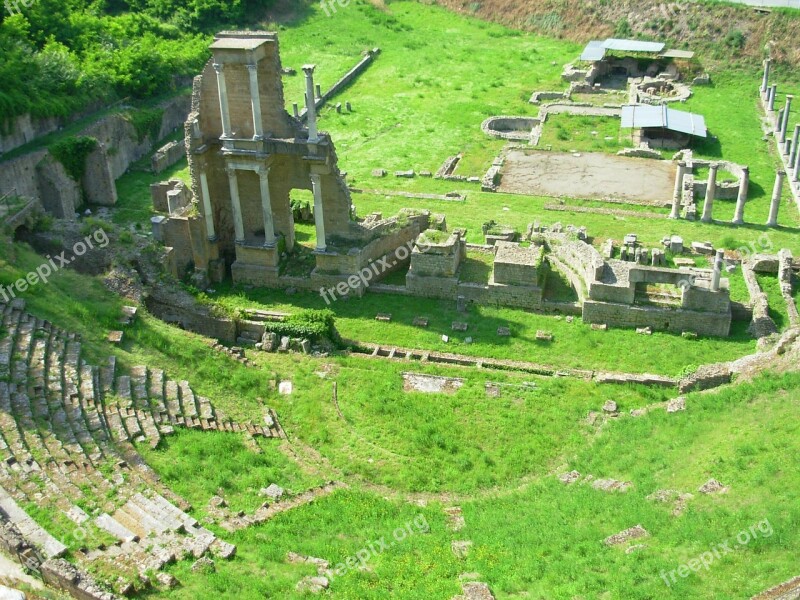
x=97, y=181
x=62, y=575
x=664, y=319
x=167, y=155
x=176, y=235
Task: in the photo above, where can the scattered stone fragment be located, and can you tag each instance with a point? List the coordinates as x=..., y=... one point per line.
x=689, y=335
x=379, y=172
x=406, y=174
x=610, y=407
x=544, y=336
x=459, y=326
x=591, y=418
x=204, y=564
x=274, y=492
x=475, y=590
x=314, y=585
x=611, y=485
x=383, y=317
x=569, y=478
x=164, y=580
x=666, y=496
x=632, y=533
x=461, y=548
x=285, y=388
x=455, y=519
x=676, y=404
x=115, y=337
x=569, y=319
x=635, y=548
x=644, y=330
x=445, y=338
x=712, y=486
x=468, y=340
x=503, y=331
x=599, y=326
x=638, y=412
x=420, y=322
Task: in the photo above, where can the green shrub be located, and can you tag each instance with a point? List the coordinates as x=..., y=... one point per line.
x=92, y=224
x=311, y=324
x=146, y=122
x=72, y=152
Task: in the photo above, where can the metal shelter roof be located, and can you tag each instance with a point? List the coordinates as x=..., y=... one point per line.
x=640, y=116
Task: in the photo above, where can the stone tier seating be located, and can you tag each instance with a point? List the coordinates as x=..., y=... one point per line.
x=66, y=429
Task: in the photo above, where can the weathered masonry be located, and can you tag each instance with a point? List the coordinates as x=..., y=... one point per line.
x=246, y=154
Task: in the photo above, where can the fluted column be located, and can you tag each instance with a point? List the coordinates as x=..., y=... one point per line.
x=795, y=141
x=319, y=217
x=677, y=195
x=775, y=204
x=223, y=100
x=773, y=93
x=716, y=274
x=207, y=211
x=236, y=206
x=744, y=184
x=311, y=107
x=785, y=123
x=711, y=192
x=266, y=207
x=255, y=101
x=765, y=81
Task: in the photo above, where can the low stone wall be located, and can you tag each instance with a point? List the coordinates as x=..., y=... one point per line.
x=706, y=377
x=762, y=324
x=167, y=155
x=344, y=81
x=664, y=319
x=62, y=575
x=183, y=310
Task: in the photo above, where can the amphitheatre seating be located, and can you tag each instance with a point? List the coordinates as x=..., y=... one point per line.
x=66, y=433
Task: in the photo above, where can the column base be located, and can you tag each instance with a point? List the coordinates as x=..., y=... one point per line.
x=706, y=220
x=738, y=222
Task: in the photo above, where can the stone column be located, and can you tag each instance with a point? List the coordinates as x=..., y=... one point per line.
x=785, y=123
x=223, y=100
x=773, y=93
x=295, y=110
x=207, y=211
x=311, y=108
x=765, y=81
x=236, y=206
x=778, y=123
x=678, y=193
x=797, y=165
x=255, y=102
x=711, y=191
x=738, y=217
x=266, y=207
x=717, y=272
x=319, y=217
x=795, y=141
x=776, y=199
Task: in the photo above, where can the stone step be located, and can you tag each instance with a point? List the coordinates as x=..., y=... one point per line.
x=147, y=522
x=110, y=525
x=188, y=404
x=31, y=530
x=108, y=375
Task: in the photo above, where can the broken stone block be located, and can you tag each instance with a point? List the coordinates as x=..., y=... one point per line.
x=405, y=174
x=568, y=478
x=285, y=341
x=379, y=172
x=459, y=326
x=445, y=338
x=610, y=407
x=644, y=330
x=676, y=244
x=269, y=341
x=461, y=548
x=273, y=491
x=703, y=248
x=383, y=317
x=611, y=485
x=314, y=585
x=204, y=564
x=677, y=404
x=712, y=486
x=503, y=331
x=544, y=336
x=285, y=388
x=115, y=337
x=599, y=326
x=164, y=580
x=420, y=322
x=632, y=533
